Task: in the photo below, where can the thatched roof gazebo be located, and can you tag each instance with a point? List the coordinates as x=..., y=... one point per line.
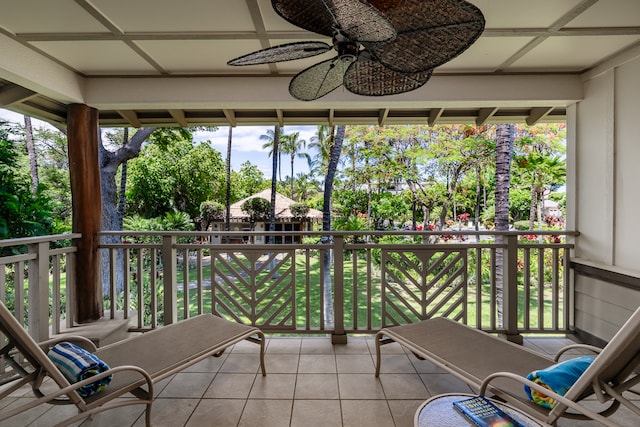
x=286, y=220
x=283, y=213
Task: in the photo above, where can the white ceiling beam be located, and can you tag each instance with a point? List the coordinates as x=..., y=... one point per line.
x=485, y=114
x=382, y=116
x=272, y=92
x=231, y=117
x=179, y=117
x=11, y=94
x=537, y=114
x=27, y=68
x=434, y=115
x=131, y=117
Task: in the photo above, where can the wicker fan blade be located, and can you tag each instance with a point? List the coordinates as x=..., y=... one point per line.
x=430, y=32
x=318, y=80
x=362, y=22
x=371, y=78
x=358, y=20
x=311, y=15
x=283, y=52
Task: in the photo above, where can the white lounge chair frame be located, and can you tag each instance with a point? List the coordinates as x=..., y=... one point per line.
x=492, y=365
x=136, y=363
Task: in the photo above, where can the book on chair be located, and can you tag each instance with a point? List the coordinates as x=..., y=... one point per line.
x=482, y=413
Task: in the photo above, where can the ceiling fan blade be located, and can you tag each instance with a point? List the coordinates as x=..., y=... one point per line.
x=425, y=49
x=318, y=80
x=357, y=19
x=430, y=32
x=371, y=78
x=361, y=21
x=311, y=15
x=283, y=52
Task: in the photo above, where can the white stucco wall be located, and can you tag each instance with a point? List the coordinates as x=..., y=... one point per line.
x=604, y=172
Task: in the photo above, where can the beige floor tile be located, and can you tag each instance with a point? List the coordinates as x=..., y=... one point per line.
x=360, y=386
x=217, y=412
x=170, y=412
x=355, y=363
x=210, y=364
x=230, y=386
x=188, y=385
x=281, y=363
x=56, y=414
x=396, y=364
x=317, y=386
x=391, y=348
x=121, y=417
x=273, y=386
x=24, y=418
x=317, y=364
x=317, y=346
x=284, y=345
x=366, y=413
x=425, y=366
x=266, y=413
x=444, y=383
x=245, y=347
x=353, y=346
x=403, y=411
x=316, y=413
x=403, y=386
x=241, y=364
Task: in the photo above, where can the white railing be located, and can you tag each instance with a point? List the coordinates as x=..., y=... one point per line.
x=36, y=281
x=379, y=279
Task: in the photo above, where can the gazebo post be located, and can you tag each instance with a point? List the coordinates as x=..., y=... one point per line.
x=84, y=171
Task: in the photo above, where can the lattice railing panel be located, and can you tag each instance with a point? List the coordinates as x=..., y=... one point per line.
x=420, y=284
x=255, y=287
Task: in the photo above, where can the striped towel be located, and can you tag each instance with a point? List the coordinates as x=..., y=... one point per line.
x=559, y=378
x=77, y=364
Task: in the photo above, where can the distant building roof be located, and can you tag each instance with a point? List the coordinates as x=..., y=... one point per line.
x=282, y=207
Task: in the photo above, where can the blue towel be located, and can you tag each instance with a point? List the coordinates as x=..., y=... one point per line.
x=559, y=378
x=77, y=364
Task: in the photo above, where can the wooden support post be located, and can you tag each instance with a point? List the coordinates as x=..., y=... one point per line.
x=84, y=170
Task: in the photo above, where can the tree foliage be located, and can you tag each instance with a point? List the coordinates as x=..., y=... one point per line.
x=178, y=177
x=24, y=213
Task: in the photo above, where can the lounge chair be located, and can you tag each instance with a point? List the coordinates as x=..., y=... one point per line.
x=136, y=363
x=494, y=366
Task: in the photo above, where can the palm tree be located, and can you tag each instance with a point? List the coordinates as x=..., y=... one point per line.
x=228, y=195
x=321, y=142
x=33, y=157
x=271, y=144
x=292, y=144
x=275, y=135
x=504, y=152
x=334, y=157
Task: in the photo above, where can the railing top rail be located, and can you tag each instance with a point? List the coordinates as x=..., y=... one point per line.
x=38, y=239
x=343, y=233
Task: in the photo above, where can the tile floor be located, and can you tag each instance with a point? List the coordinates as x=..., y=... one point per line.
x=309, y=383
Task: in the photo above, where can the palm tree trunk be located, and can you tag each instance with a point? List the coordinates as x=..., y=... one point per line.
x=476, y=212
x=275, y=162
x=292, y=159
x=31, y=150
x=228, y=192
x=504, y=150
x=336, y=149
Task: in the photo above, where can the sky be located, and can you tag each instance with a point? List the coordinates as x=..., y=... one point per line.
x=246, y=143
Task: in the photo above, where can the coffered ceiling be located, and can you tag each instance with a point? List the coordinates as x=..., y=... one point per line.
x=163, y=62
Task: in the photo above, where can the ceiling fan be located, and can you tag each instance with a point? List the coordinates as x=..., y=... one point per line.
x=384, y=47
